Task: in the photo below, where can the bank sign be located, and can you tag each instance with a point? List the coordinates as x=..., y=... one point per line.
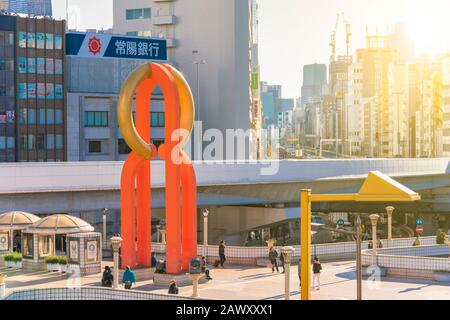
x=94, y=45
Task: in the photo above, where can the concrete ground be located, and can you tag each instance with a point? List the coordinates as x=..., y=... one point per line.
x=251, y=283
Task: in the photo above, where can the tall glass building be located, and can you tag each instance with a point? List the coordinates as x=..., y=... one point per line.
x=32, y=89
x=35, y=7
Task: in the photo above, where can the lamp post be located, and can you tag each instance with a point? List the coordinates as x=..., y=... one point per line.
x=389, y=211
x=104, y=211
x=358, y=260
x=116, y=243
x=287, y=254
x=196, y=137
x=205, y=231
x=374, y=221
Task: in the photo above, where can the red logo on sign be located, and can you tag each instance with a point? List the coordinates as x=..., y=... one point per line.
x=94, y=45
x=419, y=229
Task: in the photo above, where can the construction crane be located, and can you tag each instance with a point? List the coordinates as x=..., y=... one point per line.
x=348, y=34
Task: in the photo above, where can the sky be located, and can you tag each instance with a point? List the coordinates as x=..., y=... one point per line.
x=293, y=33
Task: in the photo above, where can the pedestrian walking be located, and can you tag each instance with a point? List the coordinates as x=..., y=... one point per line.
x=107, y=277
x=300, y=271
x=128, y=278
x=222, y=253
x=370, y=245
x=380, y=243
x=154, y=260
x=173, y=288
x=273, y=255
x=317, y=267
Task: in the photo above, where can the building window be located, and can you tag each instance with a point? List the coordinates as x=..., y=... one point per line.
x=96, y=118
x=123, y=147
x=59, y=141
x=49, y=41
x=46, y=245
x=132, y=33
x=141, y=13
x=27, y=249
x=40, y=40
x=50, y=143
x=58, y=41
x=157, y=119
x=95, y=146
x=157, y=143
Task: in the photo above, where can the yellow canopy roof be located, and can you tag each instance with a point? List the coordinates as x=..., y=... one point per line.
x=380, y=187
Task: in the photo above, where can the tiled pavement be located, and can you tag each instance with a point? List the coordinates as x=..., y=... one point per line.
x=239, y=283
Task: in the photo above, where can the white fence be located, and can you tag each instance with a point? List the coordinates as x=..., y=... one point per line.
x=328, y=251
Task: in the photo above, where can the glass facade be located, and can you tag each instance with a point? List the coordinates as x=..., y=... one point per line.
x=7, y=97
x=34, y=7
x=141, y=13
x=40, y=129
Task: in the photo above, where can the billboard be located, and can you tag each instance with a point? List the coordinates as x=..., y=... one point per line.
x=94, y=45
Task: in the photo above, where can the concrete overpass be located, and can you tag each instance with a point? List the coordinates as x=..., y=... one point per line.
x=89, y=186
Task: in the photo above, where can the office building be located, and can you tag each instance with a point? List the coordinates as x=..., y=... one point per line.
x=215, y=34
x=95, y=78
x=446, y=105
x=314, y=81
x=271, y=102
x=32, y=89
x=30, y=7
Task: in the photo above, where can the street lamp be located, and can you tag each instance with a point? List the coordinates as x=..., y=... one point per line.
x=374, y=220
x=389, y=211
x=287, y=254
x=116, y=243
x=104, y=211
x=358, y=260
x=376, y=188
x=197, y=132
x=205, y=231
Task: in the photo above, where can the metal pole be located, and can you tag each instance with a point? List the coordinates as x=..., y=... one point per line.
x=337, y=132
x=358, y=259
x=205, y=236
x=104, y=228
x=305, y=234
x=287, y=279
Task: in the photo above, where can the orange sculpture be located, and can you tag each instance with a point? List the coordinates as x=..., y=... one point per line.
x=135, y=185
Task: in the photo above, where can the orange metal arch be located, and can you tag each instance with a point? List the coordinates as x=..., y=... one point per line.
x=181, y=215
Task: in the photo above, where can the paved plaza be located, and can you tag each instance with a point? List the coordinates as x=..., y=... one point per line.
x=338, y=282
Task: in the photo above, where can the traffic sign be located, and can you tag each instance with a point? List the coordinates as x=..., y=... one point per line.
x=419, y=229
x=419, y=222
x=340, y=222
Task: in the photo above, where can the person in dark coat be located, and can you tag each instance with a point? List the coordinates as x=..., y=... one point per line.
x=173, y=288
x=222, y=253
x=154, y=261
x=317, y=267
x=273, y=255
x=107, y=278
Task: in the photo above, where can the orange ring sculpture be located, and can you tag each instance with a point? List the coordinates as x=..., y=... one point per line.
x=135, y=184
